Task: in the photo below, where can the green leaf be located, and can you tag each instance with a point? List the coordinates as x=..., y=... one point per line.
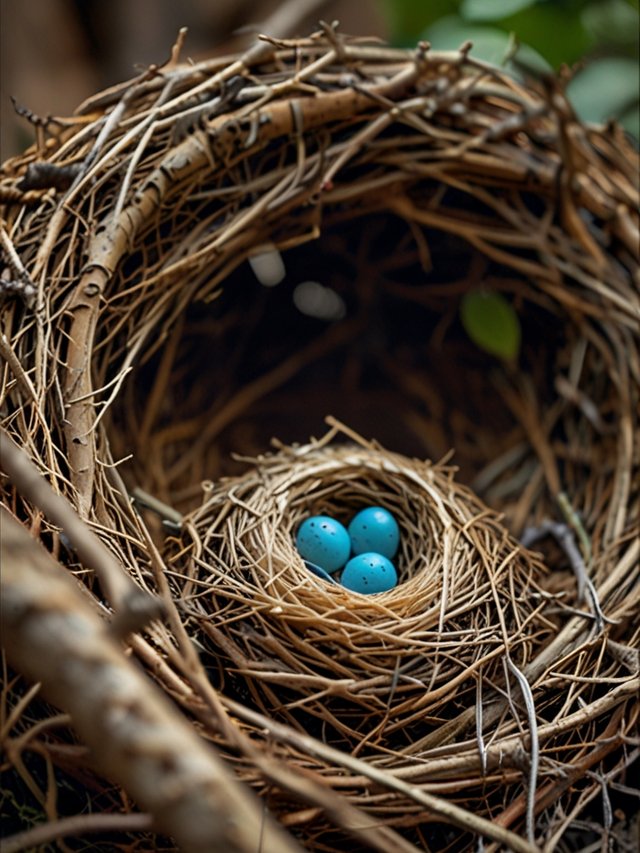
x=612, y=22
x=491, y=323
x=554, y=29
x=406, y=19
x=489, y=43
x=492, y=10
x=605, y=89
x=450, y=32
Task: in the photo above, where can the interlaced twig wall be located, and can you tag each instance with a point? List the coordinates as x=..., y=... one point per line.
x=494, y=692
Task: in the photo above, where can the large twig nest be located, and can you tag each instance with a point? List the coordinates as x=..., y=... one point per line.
x=140, y=350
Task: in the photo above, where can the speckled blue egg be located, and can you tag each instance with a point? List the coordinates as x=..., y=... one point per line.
x=369, y=573
x=323, y=541
x=374, y=529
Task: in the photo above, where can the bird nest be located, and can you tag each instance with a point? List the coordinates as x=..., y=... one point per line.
x=364, y=672
x=493, y=692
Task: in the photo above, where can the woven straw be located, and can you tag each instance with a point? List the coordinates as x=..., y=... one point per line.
x=368, y=666
x=492, y=684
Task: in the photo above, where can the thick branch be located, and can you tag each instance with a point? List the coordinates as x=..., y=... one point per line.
x=136, y=737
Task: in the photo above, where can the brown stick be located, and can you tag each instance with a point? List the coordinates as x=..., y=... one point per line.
x=443, y=809
x=137, y=738
x=74, y=826
x=80, y=412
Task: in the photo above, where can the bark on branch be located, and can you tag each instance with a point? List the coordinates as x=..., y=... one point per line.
x=52, y=635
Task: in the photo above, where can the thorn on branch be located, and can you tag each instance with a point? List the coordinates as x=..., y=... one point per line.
x=176, y=50
x=330, y=31
x=422, y=50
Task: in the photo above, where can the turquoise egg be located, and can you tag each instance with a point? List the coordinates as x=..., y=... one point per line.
x=323, y=541
x=369, y=573
x=374, y=529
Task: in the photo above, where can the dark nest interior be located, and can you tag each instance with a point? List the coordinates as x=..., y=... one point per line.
x=150, y=358
x=390, y=352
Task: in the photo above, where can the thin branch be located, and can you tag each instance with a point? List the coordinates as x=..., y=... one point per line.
x=564, y=536
x=76, y=826
x=133, y=607
x=535, y=747
x=438, y=806
x=482, y=749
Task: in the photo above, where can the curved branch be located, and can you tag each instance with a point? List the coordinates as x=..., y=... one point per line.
x=74, y=826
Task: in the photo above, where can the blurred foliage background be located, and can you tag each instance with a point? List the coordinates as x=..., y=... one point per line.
x=54, y=53
x=601, y=37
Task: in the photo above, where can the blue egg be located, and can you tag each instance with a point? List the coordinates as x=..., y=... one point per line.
x=374, y=529
x=323, y=541
x=368, y=573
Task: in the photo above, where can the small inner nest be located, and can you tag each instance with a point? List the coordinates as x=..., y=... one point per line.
x=392, y=665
